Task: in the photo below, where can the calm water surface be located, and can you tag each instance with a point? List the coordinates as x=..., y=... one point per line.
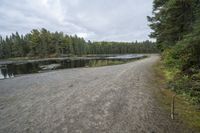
x=15, y=69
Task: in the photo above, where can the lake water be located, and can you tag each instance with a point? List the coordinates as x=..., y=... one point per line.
x=13, y=69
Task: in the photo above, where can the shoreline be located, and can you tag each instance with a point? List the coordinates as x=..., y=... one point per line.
x=96, y=57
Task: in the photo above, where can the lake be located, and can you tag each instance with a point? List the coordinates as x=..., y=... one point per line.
x=11, y=69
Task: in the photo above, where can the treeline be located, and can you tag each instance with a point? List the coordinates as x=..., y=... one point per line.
x=176, y=26
x=121, y=47
x=43, y=43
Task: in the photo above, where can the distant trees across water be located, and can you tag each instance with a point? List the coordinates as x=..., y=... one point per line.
x=43, y=43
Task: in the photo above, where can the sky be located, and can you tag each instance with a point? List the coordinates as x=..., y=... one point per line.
x=95, y=20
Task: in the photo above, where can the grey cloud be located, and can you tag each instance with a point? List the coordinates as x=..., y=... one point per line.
x=110, y=20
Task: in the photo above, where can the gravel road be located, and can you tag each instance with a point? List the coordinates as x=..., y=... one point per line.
x=110, y=99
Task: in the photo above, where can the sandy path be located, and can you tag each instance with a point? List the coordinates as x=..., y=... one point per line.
x=115, y=99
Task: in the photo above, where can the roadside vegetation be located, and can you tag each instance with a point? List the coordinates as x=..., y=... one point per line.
x=185, y=112
x=98, y=63
x=176, y=28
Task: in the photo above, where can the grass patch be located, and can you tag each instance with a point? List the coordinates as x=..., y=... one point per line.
x=98, y=63
x=185, y=110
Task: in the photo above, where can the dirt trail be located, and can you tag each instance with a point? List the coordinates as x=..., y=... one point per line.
x=110, y=99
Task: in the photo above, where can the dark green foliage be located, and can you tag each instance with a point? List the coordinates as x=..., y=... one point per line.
x=176, y=27
x=43, y=43
x=187, y=85
x=121, y=47
x=172, y=19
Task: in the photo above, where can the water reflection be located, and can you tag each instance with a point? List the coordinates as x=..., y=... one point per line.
x=5, y=73
x=12, y=70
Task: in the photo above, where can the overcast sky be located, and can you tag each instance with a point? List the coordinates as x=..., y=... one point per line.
x=97, y=20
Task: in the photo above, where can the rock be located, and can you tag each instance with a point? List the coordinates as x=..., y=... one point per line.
x=50, y=67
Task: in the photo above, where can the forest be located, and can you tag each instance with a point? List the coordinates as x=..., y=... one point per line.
x=43, y=43
x=176, y=28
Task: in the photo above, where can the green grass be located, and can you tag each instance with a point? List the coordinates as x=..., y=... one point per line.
x=98, y=63
x=185, y=110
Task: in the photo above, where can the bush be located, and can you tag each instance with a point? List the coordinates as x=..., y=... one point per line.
x=182, y=63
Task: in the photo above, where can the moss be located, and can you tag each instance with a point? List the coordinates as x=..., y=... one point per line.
x=170, y=73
